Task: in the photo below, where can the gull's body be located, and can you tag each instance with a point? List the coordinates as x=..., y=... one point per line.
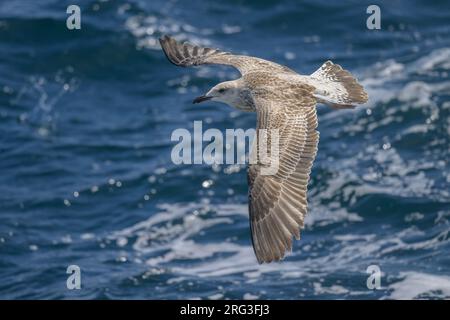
x=285, y=101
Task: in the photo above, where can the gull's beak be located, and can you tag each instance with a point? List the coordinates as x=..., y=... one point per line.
x=201, y=99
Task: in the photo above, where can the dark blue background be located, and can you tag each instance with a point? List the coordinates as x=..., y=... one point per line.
x=85, y=171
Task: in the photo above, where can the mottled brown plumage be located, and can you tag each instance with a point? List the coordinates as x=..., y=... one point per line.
x=284, y=101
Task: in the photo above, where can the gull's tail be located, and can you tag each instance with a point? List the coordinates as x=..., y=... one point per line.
x=337, y=87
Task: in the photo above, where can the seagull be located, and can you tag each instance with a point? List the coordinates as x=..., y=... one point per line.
x=285, y=101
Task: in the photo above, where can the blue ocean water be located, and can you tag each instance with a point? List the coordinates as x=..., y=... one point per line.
x=86, y=179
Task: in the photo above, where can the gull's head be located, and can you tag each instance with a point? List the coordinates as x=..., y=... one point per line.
x=228, y=92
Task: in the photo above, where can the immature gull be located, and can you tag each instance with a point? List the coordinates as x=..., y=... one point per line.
x=285, y=101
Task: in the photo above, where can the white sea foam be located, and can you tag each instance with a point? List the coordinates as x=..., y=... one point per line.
x=147, y=30
x=167, y=236
x=437, y=59
x=177, y=244
x=394, y=83
x=334, y=289
x=419, y=285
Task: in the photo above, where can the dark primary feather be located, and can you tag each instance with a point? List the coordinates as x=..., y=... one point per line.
x=187, y=55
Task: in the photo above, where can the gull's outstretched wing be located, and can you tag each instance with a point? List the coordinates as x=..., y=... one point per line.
x=186, y=55
x=278, y=202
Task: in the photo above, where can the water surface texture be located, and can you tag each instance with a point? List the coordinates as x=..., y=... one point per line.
x=86, y=178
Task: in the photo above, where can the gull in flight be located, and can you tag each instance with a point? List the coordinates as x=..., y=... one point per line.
x=286, y=101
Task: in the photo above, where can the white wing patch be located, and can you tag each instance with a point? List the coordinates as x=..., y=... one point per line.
x=336, y=86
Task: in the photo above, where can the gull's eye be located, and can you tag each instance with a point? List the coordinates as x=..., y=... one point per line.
x=222, y=90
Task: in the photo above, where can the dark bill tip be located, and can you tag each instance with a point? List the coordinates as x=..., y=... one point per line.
x=201, y=99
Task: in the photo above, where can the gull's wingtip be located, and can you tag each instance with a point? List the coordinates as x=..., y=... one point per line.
x=163, y=40
x=168, y=45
